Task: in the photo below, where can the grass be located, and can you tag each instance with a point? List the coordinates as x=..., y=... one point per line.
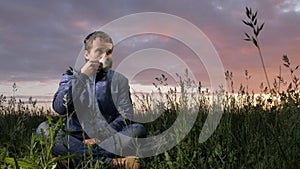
x=254, y=132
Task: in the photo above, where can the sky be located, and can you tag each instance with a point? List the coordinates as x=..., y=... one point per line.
x=40, y=39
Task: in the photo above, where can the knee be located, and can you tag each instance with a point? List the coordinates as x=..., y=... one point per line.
x=43, y=127
x=139, y=130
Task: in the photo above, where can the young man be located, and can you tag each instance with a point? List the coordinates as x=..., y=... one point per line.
x=98, y=46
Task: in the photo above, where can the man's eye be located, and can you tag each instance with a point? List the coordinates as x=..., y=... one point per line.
x=100, y=51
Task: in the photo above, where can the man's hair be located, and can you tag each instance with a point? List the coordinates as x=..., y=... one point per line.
x=88, y=41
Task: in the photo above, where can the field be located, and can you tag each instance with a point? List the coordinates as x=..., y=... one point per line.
x=254, y=131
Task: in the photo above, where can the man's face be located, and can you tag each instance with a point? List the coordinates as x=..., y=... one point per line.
x=99, y=50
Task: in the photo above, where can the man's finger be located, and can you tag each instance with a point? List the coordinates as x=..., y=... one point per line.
x=94, y=61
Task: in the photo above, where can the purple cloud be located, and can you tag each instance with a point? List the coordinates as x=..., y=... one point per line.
x=40, y=39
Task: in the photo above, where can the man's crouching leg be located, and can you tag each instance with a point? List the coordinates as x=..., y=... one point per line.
x=44, y=128
x=135, y=130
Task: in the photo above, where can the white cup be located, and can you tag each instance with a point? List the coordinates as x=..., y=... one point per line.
x=106, y=62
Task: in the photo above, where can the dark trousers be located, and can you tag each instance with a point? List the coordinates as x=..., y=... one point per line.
x=68, y=144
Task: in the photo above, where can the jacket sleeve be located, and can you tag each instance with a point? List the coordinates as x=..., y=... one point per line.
x=124, y=105
x=64, y=92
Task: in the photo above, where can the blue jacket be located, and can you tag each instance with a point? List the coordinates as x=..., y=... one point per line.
x=111, y=98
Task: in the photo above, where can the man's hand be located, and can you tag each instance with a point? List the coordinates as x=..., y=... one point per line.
x=90, y=67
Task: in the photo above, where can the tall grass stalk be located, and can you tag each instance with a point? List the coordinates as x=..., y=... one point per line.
x=256, y=28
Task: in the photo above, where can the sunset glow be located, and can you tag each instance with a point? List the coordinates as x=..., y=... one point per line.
x=40, y=40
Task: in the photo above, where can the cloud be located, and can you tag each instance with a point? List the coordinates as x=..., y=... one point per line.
x=39, y=40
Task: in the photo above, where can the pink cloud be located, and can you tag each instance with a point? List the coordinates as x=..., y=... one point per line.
x=39, y=40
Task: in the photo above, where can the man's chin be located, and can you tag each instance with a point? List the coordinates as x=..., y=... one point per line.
x=100, y=70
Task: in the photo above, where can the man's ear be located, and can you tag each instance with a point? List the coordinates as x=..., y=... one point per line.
x=86, y=54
